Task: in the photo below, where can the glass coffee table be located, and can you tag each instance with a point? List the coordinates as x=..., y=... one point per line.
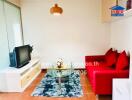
x=61, y=75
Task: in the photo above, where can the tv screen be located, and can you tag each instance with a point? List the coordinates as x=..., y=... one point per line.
x=20, y=56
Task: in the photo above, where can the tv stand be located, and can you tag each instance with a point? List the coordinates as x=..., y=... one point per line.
x=23, y=65
x=18, y=79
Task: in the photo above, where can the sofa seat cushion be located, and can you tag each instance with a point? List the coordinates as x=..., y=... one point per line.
x=122, y=62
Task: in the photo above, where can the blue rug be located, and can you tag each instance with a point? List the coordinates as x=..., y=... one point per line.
x=49, y=86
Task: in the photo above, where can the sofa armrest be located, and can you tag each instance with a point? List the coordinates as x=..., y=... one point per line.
x=94, y=58
x=102, y=80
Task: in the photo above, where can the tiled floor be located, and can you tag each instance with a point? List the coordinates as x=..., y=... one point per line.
x=88, y=93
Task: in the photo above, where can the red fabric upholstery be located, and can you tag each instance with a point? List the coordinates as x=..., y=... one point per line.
x=102, y=80
x=101, y=75
x=108, y=52
x=111, y=58
x=122, y=62
x=94, y=58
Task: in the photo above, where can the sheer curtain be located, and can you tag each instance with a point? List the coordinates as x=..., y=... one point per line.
x=4, y=51
x=10, y=31
x=13, y=23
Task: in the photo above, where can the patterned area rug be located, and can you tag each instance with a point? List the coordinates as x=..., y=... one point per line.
x=69, y=87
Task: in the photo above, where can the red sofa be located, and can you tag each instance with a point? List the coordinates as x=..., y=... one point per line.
x=100, y=72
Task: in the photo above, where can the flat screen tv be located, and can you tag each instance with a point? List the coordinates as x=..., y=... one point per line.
x=20, y=56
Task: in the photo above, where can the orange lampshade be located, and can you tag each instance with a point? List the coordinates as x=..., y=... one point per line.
x=56, y=10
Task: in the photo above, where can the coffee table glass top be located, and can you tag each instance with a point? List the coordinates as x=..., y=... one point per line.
x=61, y=72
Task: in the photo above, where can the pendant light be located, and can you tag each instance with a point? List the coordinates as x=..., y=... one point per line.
x=56, y=10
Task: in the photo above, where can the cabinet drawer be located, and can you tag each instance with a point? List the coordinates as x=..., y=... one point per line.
x=30, y=75
x=25, y=80
x=35, y=70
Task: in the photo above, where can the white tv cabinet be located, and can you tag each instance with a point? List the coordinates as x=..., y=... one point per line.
x=18, y=79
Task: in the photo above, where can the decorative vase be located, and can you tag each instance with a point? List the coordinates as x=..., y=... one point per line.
x=60, y=63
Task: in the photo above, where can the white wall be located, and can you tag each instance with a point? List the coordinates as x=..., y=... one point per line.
x=121, y=39
x=121, y=35
x=73, y=35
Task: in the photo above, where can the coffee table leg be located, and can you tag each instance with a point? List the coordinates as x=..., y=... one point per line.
x=60, y=84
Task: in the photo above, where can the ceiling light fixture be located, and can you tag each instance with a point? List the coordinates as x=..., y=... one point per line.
x=56, y=10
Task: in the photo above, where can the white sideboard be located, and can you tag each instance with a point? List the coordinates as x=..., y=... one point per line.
x=18, y=79
x=121, y=89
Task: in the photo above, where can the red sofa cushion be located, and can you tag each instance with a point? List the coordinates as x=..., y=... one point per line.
x=108, y=52
x=111, y=58
x=122, y=62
